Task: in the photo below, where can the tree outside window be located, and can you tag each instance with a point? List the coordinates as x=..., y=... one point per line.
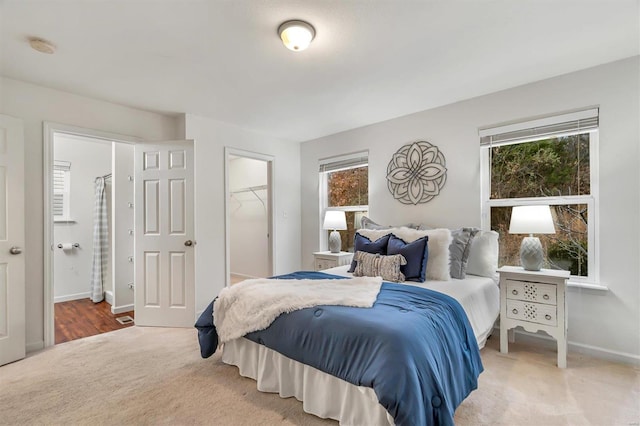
x=555, y=171
x=348, y=190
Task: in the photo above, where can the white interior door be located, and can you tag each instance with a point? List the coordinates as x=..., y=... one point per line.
x=12, y=281
x=164, y=234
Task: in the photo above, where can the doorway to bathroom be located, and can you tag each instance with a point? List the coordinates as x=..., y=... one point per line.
x=92, y=247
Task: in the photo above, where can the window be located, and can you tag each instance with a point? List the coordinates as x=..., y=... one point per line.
x=61, y=188
x=344, y=185
x=550, y=162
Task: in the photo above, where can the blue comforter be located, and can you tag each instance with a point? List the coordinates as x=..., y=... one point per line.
x=414, y=347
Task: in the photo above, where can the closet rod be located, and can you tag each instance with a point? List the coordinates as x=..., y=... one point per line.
x=253, y=190
x=250, y=189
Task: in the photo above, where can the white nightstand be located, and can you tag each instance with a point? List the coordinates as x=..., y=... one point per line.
x=534, y=300
x=326, y=259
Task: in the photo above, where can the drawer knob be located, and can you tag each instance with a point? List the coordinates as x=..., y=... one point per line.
x=545, y=297
x=515, y=311
x=514, y=292
x=547, y=317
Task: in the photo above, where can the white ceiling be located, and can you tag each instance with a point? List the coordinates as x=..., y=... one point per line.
x=371, y=60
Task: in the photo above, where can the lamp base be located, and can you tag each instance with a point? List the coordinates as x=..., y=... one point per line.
x=335, y=243
x=531, y=254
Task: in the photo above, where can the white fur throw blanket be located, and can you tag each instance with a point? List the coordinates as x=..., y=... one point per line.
x=253, y=305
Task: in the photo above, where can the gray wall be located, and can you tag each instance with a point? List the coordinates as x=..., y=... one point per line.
x=35, y=105
x=605, y=320
x=211, y=137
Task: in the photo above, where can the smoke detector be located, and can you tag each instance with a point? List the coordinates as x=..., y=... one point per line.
x=42, y=45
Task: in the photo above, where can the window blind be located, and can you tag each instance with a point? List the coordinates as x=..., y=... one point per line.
x=58, y=192
x=60, y=176
x=61, y=165
x=350, y=161
x=575, y=122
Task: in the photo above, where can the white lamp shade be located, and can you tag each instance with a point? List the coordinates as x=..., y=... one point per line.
x=335, y=219
x=296, y=35
x=531, y=220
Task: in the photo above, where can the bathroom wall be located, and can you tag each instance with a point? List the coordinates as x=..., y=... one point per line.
x=122, y=229
x=72, y=269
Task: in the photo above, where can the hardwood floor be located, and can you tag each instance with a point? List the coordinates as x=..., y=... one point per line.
x=80, y=318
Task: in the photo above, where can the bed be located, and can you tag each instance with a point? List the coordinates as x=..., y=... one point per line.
x=327, y=392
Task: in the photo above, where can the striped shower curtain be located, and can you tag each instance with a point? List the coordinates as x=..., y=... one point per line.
x=100, y=242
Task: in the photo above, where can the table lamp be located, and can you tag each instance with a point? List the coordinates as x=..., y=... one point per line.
x=335, y=220
x=531, y=220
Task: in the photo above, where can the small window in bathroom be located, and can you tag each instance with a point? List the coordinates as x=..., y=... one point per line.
x=61, y=188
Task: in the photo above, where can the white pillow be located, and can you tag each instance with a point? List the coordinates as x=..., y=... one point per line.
x=483, y=255
x=439, y=242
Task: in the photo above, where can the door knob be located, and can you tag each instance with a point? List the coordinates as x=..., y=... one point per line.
x=15, y=250
x=188, y=243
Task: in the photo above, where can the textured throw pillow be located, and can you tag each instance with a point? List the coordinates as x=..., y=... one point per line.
x=459, y=251
x=483, y=255
x=376, y=265
x=369, y=224
x=364, y=243
x=416, y=253
x=439, y=241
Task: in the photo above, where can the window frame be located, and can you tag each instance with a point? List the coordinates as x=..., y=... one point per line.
x=323, y=192
x=591, y=200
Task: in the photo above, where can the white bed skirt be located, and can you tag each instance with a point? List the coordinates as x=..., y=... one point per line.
x=321, y=394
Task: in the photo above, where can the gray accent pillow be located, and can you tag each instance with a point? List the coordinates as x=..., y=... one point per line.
x=459, y=251
x=367, y=223
x=377, y=265
x=483, y=257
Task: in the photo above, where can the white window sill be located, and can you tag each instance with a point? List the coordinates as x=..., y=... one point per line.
x=586, y=285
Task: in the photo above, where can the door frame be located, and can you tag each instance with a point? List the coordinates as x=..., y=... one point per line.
x=49, y=129
x=271, y=226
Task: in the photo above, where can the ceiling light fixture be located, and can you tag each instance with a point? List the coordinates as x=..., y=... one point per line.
x=42, y=45
x=296, y=35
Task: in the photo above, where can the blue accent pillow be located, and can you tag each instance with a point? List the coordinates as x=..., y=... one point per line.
x=416, y=253
x=362, y=243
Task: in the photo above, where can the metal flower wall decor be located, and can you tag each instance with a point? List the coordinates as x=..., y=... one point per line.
x=416, y=173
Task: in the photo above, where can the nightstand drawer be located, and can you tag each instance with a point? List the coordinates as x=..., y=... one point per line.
x=532, y=292
x=326, y=259
x=325, y=264
x=532, y=312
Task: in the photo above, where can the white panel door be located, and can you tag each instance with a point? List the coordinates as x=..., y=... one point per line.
x=164, y=234
x=12, y=282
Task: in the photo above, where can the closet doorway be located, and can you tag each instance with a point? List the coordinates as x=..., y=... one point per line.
x=89, y=188
x=249, y=215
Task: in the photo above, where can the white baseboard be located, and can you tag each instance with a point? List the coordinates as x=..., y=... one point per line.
x=589, y=350
x=108, y=296
x=34, y=346
x=121, y=309
x=69, y=297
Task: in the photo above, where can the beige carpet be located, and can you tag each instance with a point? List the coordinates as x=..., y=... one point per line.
x=156, y=376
